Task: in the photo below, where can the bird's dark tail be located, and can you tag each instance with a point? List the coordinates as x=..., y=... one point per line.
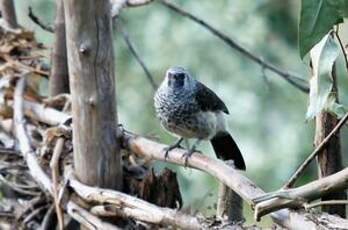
x=226, y=149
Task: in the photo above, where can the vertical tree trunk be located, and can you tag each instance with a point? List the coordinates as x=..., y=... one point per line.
x=330, y=159
x=97, y=159
x=59, y=81
x=229, y=204
x=8, y=13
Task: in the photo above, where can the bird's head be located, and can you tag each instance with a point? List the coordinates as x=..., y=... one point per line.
x=178, y=78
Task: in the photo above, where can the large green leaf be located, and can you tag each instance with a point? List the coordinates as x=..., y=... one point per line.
x=342, y=6
x=323, y=55
x=317, y=19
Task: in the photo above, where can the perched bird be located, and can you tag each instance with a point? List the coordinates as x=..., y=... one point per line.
x=189, y=109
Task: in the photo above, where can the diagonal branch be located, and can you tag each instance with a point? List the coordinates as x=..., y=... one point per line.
x=235, y=180
x=298, y=197
x=293, y=79
x=317, y=150
x=39, y=22
x=137, y=57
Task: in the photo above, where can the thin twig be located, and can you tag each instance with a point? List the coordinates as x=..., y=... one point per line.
x=38, y=21
x=54, y=165
x=317, y=150
x=345, y=54
x=293, y=79
x=137, y=57
x=327, y=202
x=25, y=68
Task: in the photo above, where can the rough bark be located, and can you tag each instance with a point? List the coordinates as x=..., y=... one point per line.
x=97, y=159
x=330, y=159
x=8, y=13
x=59, y=80
x=230, y=204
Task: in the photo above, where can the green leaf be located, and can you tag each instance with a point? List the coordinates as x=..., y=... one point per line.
x=342, y=6
x=323, y=56
x=317, y=19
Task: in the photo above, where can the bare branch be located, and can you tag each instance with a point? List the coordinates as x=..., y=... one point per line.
x=317, y=150
x=293, y=79
x=137, y=57
x=54, y=165
x=344, y=51
x=298, y=197
x=248, y=190
x=129, y=206
x=24, y=144
x=327, y=202
x=88, y=220
x=35, y=169
x=38, y=21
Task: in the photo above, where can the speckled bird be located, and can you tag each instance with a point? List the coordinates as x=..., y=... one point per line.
x=190, y=110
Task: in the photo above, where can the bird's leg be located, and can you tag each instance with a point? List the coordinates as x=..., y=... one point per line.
x=171, y=147
x=188, y=154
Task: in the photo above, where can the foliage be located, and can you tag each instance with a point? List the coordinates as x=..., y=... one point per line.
x=317, y=19
x=323, y=56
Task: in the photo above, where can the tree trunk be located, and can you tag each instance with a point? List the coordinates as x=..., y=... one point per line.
x=97, y=159
x=229, y=204
x=8, y=13
x=330, y=159
x=59, y=81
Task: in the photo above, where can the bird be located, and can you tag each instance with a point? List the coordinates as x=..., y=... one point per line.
x=188, y=109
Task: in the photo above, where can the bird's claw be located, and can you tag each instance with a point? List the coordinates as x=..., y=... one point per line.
x=187, y=155
x=170, y=148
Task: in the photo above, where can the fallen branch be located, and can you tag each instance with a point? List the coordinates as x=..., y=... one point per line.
x=235, y=180
x=88, y=220
x=35, y=169
x=24, y=144
x=294, y=80
x=317, y=150
x=54, y=165
x=130, y=206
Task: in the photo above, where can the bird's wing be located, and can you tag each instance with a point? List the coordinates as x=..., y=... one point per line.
x=208, y=100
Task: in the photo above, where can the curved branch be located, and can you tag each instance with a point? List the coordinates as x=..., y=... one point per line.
x=235, y=180
x=129, y=206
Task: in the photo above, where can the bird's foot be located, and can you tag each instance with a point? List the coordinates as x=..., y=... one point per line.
x=188, y=154
x=170, y=148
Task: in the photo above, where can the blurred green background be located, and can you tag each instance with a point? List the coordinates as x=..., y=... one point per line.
x=267, y=114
